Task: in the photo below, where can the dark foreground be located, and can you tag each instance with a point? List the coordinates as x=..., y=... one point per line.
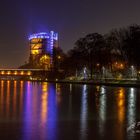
x=58, y=111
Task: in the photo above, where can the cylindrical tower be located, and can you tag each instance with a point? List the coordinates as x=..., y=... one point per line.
x=41, y=49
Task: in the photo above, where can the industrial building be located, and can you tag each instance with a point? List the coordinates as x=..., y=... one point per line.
x=42, y=49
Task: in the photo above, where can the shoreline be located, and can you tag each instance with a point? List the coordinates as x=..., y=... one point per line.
x=117, y=83
x=104, y=83
x=107, y=82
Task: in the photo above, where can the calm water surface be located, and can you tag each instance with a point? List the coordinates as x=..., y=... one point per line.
x=49, y=111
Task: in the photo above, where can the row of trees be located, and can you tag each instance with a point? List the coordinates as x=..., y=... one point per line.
x=119, y=46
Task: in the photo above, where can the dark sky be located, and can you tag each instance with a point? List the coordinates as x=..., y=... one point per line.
x=72, y=19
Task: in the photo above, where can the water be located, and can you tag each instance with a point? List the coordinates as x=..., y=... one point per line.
x=49, y=111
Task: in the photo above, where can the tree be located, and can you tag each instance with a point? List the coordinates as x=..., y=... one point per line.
x=132, y=45
x=114, y=48
x=88, y=49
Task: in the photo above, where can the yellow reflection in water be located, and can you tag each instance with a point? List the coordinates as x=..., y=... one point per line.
x=58, y=93
x=2, y=97
x=121, y=104
x=44, y=102
x=120, y=113
x=15, y=97
x=8, y=98
x=21, y=95
x=58, y=89
x=97, y=91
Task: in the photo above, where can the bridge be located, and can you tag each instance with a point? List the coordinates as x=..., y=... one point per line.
x=24, y=73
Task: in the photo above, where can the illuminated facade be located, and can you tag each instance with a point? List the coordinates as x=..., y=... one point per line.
x=41, y=49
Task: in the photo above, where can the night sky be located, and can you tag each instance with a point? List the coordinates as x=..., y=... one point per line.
x=72, y=19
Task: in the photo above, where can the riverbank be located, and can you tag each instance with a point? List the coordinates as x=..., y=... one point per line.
x=122, y=83
x=105, y=82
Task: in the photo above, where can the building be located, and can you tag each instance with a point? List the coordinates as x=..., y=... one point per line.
x=42, y=48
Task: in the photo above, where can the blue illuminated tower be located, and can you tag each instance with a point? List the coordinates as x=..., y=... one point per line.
x=41, y=48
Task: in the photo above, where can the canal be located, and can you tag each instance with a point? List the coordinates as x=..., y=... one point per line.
x=53, y=111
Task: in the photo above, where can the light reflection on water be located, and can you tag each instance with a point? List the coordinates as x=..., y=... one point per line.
x=2, y=98
x=84, y=111
x=36, y=111
x=120, y=99
x=15, y=98
x=40, y=112
x=131, y=106
x=44, y=103
x=121, y=105
x=131, y=113
x=21, y=96
x=8, y=99
x=102, y=109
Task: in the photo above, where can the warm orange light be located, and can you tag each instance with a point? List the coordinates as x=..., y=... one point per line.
x=98, y=64
x=2, y=72
x=9, y=72
x=121, y=104
x=35, y=52
x=45, y=87
x=59, y=57
x=119, y=65
x=28, y=73
x=22, y=72
x=15, y=72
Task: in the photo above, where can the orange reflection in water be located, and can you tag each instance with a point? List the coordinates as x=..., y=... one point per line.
x=58, y=93
x=2, y=97
x=121, y=105
x=15, y=98
x=44, y=102
x=8, y=99
x=21, y=95
x=120, y=113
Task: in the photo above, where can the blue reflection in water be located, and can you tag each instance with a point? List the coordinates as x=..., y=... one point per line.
x=84, y=113
x=27, y=134
x=102, y=109
x=52, y=113
x=39, y=112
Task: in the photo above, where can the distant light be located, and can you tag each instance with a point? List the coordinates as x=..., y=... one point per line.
x=9, y=72
x=59, y=57
x=22, y=72
x=39, y=35
x=98, y=64
x=15, y=73
x=44, y=35
x=2, y=72
x=28, y=73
